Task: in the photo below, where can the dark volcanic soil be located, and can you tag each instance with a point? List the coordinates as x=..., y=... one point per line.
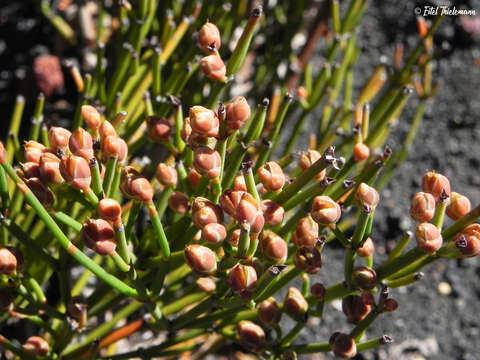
x=427, y=324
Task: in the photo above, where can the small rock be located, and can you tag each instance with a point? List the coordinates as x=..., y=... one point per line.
x=444, y=288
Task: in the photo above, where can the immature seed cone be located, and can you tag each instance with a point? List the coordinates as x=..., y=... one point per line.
x=58, y=138
x=36, y=346
x=109, y=209
x=308, y=260
x=434, y=183
x=459, y=206
x=367, y=196
x=158, y=129
x=306, y=233
x=364, y=278
x=194, y=177
x=41, y=192
x=325, y=210
x=243, y=208
x=206, y=284
x=343, y=345
x=110, y=147
x=50, y=168
x=242, y=279
x=178, y=202
x=239, y=183
x=271, y=176
x=209, y=39
x=318, y=291
x=48, y=74
x=204, y=122
x=33, y=151
x=468, y=241
x=135, y=186
x=251, y=336
x=201, y=259
x=422, y=207
x=8, y=261
x=207, y=162
x=186, y=131
x=390, y=305
x=274, y=248
x=269, y=313
x=205, y=212
x=272, y=212
x=238, y=113
x=295, y=304
x=29, y=170
x=367, y=249
x=122, y=151
x=81, y=144
x=310, y=157
x=91, y=116
x=213, y=67
x=357, y=307
x=360, y=152
x=107, y=129
x=98, y=235
x=429, y=238
x=76, y=171
x=166, y=175
x=214, y=233
x=234, y=238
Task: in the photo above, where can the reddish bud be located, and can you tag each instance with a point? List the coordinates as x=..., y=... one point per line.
x=367, y=196
x=81, y=144
x=357, y=307
x=434, y=183
x=269, y=313
x=158, y=129
x=242, y=279
x=390, y=305
x=367, y=249
x=205, y=212
x=110, y=147
x=109, y=209
x=33, y=151
x=122, y=151
x=274, y=248
x=204, y=122
x=166, y=175
x=214, y=68
x=107, y=129
x=239, y=183
x=29, y=170
x=422, y=207
x=429, y=238
x=48, y=74
x=36, y=346
x=306, y=233
x=201, y=259
x=50, y=168
x=272, y=212
x=243, y=208
x=41, y=192
x=271, y=176
x=91, y=116
x=459, y=206
x=295, y=304
x=98, y=235
x=194, y=177
x=360, y=152
x=135, y=186
x=209, y=38
x=343, y=345
x=206, y=284
x=251, y=336
x=186, y=131
x=318, y=291
x=468, y=241
x=207, y=162
x=214, y=233
x=310, y=157
x=76, y=171
x=308, y=260
x=325, y=210
x=3, y=154
x=238, y=113
x=302, y=93
x=364, y=278
x=58, y=138
x=8, y=261
x=178, y=202
x=234, y=238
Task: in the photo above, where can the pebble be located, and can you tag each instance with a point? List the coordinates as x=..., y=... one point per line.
x=444, y=288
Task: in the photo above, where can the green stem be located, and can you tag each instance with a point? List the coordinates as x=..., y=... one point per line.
x=158, y=228
x=97, y=186
x=109, y=175
x=400, y=246
x=15, y=122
